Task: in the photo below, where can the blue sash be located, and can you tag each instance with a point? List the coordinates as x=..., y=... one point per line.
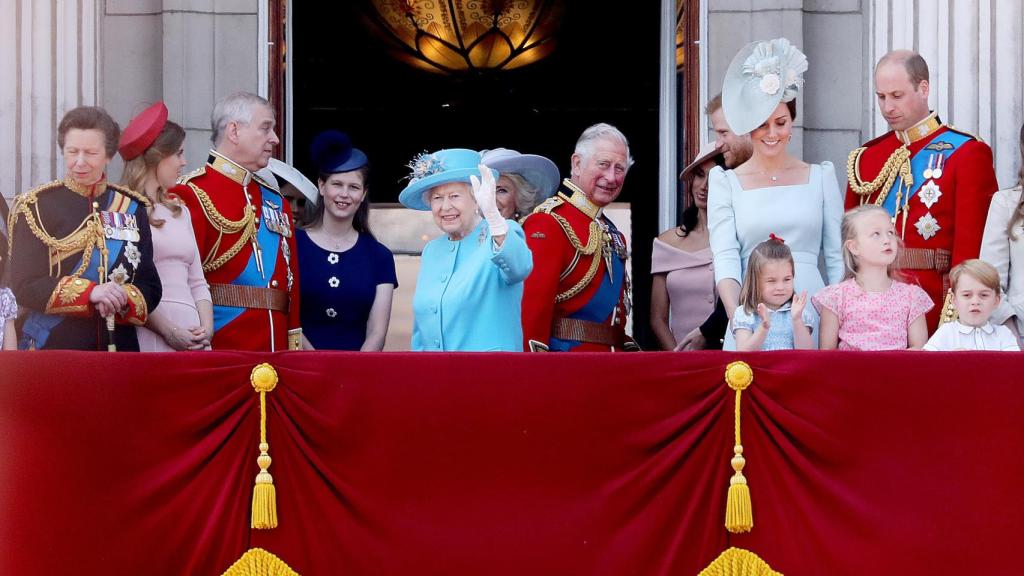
x=38, y=325
x=601, y=304
x=948, y=141
x=270, y=243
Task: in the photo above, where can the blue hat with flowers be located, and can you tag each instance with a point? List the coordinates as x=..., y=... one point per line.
x=431, y=169
x=762, y=75
x=332, y=153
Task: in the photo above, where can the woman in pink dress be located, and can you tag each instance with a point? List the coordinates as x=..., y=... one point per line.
x=686, y=313
x=154, y=153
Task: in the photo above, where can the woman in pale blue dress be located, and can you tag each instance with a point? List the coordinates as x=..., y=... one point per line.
x=773, y=192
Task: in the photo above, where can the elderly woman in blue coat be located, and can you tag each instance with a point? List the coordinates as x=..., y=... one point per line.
x=470, y=287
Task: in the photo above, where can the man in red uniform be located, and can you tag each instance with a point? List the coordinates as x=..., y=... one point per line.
x=577, y=297
x=935, y=181
x=244, y=230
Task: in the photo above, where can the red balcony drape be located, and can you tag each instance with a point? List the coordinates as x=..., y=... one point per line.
x=892, y=463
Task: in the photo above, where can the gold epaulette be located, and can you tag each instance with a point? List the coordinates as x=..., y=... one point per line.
x=141, y=198
x=20, y=203
x=593, y=247
x=83, y=239
x=964, y=132
x=193, y=174
x=548, y=205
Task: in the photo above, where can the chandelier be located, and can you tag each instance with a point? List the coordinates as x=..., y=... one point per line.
x=453, y=36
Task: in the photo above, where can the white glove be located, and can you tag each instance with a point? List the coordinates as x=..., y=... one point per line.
x=486, y=200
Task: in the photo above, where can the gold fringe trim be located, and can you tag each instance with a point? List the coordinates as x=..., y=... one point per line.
x=739, y=515
x=259, y=562
x=896, y=165
x=738, y=562
x=246, y=226
x=948, y=313
x=264, y=496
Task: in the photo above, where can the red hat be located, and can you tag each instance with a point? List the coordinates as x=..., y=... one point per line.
x=142, y=131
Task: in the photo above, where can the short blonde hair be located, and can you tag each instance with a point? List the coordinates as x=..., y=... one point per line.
x=979, y=270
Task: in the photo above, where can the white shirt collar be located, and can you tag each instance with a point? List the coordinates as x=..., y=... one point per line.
x=987, y=328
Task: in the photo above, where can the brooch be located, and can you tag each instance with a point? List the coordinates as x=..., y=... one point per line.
x=927, y=226
x=929, y=194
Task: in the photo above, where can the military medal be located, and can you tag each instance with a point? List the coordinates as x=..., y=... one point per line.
x=120, y=226
x=927, y=226
x=937, y=172
x=928, y=170
x=133, y=254
x=929, y=194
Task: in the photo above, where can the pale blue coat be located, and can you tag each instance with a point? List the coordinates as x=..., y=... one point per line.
x=806, y=216
x=469, y=294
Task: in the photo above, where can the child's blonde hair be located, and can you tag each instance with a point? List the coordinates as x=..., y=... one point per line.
x=979, y=270
x=848, y=230
x=773, y=249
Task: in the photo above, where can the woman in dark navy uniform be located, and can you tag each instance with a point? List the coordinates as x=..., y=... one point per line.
x=81, y=252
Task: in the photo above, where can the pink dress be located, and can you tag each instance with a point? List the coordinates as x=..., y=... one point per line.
x=873, y=320
x=181, y=274
x=690, y=282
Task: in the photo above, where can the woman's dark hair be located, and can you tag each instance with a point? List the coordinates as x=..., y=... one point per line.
x=791, y=106
x=90, y=118
x=361, y=219
x=691, y=212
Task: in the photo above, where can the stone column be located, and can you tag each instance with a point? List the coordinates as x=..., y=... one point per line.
x=975, y=54
x=48, y=65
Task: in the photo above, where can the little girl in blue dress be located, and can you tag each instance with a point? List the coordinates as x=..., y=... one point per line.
x=770, y=316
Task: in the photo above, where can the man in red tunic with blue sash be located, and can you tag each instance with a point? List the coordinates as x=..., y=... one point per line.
x=577, y=297
x=934, y=180
x=244, y=231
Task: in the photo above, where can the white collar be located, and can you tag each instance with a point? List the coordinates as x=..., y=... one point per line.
x=987, y=328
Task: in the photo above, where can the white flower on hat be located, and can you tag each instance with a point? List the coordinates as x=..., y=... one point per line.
x=777, y=64
x=769, y=84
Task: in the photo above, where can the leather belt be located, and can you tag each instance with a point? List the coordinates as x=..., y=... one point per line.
x=586, y=331
x=924, y=259
x=249, y=297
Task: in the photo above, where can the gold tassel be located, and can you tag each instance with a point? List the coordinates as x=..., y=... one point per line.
x=264, y=495
x=739, y=516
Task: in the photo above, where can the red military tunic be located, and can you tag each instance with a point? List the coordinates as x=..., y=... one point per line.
x=248, y=250
x=942, y=223
x=571, y=301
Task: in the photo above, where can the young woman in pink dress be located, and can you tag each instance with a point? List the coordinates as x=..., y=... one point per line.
x=686, y=313
x=154, y=153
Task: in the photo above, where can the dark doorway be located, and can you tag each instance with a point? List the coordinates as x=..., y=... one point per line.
x=604, y=69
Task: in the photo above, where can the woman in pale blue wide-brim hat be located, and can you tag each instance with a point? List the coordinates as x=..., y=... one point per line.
x=470, y=288
x=774, y=192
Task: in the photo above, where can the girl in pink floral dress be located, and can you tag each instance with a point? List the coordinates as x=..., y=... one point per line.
x=871, y=309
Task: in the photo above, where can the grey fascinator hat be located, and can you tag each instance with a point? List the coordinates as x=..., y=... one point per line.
x=762, y=75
